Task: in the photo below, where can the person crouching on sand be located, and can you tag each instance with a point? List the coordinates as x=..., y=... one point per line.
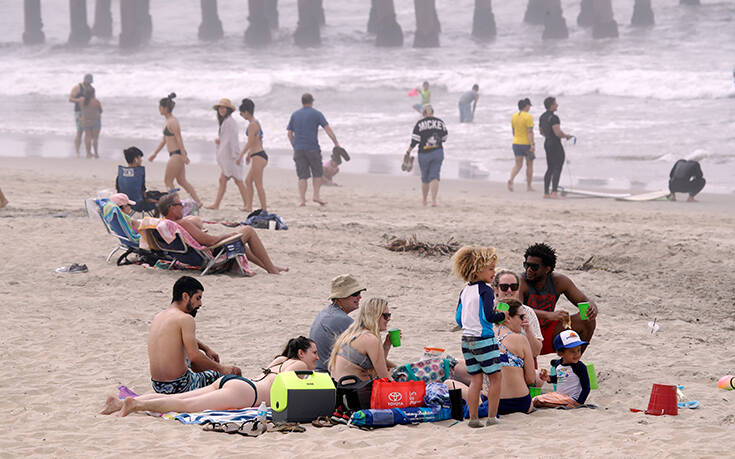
x=230, y=392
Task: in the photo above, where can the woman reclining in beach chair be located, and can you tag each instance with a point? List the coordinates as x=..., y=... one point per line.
x=114, y=214
x=230, y=392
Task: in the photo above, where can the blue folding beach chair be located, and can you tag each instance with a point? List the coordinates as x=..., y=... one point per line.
x=115, y=224
x=130, y=180
x=224, y=253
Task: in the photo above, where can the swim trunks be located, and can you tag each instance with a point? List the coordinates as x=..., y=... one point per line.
x=481, y=354
x=186, y=382
x=308, y=163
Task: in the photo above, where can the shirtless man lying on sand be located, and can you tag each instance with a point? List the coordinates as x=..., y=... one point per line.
x=179, y=362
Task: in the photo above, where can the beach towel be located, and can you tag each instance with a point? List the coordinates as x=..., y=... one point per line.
x=394, y=416
x=212, y=416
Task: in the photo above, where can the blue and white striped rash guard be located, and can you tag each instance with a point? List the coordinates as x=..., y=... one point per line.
x=475, y=310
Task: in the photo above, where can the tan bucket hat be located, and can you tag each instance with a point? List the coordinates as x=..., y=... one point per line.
x=224, y=102
x=344, y=286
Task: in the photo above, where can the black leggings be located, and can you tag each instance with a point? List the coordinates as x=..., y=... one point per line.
x=554, y=164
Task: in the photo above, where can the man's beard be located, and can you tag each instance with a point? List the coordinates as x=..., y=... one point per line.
x=191, y=311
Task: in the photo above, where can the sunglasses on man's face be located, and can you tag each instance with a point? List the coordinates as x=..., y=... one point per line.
x=531, y=266
x=176, y=204
x=505, y=287
x=386, y=315
x=356, y=294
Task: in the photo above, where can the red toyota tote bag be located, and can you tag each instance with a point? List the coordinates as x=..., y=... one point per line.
x=391, y=394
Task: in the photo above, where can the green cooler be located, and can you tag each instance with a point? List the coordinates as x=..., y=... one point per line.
x=302, y=396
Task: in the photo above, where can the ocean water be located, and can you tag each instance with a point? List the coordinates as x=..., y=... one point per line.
x=635, y=104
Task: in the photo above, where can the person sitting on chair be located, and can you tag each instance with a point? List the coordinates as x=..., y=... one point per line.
x=686, y=177
x=131, y=181
x=170, y=207
x=125, y=204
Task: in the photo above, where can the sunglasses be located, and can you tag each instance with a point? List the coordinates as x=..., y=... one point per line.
x=505, y=287
x=173, y=204
x=386, y=315
x=356, y=294
x=531, y=266
x=522, y=316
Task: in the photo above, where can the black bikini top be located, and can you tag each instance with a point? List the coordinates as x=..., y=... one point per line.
x=166, y=132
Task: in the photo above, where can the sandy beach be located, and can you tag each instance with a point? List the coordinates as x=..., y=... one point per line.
x=69, y=340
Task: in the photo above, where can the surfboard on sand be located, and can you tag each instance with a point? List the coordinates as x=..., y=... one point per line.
x=652, y=196
x=592, y=194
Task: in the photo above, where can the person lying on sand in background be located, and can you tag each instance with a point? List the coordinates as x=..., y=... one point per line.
x=179, y=362
x=541, y=288
x=170, y=206
x=358, y=351
x=333, y=320
x=230, y=392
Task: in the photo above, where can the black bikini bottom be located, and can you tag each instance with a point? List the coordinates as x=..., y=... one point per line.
x=262, y=154
x=175, y=152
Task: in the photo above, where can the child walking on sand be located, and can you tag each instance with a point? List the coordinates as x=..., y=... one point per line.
x=476, y=316
x=571, y=378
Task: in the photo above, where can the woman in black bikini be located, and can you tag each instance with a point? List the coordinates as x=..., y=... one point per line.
x=178, y=159
x=255, y=153
x=226, y=393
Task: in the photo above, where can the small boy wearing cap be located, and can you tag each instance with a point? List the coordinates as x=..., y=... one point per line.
x=571, y=378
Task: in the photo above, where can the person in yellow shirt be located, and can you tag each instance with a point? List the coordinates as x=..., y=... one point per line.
x=523, y=143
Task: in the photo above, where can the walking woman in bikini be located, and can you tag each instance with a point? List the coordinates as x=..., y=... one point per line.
x=177, y=157
x=254, y=151
x=226, y=393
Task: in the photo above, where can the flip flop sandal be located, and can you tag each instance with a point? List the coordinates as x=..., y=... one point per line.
x=252, y=428
x=341, y=152
x=691, y=404
x=322, y=421
x=286, y=427
x=212, y=427
x=231, y=427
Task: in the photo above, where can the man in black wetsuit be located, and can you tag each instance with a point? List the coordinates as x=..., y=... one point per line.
x=686, y=177
x=541, y=288
x=550, y=128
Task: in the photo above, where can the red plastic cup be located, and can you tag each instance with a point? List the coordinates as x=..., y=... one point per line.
x=663, y=401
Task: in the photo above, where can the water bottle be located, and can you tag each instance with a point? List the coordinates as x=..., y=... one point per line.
x=262, y=413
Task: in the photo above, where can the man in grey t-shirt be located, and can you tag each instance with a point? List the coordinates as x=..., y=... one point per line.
x=333, y=320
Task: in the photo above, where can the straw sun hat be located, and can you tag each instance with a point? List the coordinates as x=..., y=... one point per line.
x=224, y=102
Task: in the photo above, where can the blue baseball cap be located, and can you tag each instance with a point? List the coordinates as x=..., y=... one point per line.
x=567, y=340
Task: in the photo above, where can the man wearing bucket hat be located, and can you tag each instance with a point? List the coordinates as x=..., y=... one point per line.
x=331, y=321
x=572, y=379
x=228, y=151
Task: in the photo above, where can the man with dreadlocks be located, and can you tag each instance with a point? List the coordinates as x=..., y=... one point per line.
x=541, y=288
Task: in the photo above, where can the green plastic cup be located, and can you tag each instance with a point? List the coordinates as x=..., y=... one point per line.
x=534, y=391
x=592, y=375
x=503, y=307
x=395, y=336
x=583, y=307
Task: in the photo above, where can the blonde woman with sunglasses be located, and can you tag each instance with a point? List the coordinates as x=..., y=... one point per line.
x=359, y=351
x=506, y=286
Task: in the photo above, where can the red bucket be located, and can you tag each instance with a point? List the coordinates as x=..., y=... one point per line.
x=663, y=401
